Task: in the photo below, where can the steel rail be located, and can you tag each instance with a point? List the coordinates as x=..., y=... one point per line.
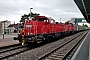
x=47, y=54
x=68, y=53
x=13, y=49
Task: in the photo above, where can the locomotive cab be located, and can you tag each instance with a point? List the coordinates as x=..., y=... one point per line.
x=70, y=28
x=34, y=29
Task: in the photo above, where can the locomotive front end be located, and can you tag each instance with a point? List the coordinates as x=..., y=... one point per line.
x=29, y=31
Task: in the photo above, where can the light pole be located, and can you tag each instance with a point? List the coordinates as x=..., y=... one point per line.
x=3, y=28
x=60, y=20
x=30, y=12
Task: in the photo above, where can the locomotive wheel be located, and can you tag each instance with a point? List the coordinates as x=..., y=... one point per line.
x=68, y=33
x=34, y=44
x=65, y=34
x=53, y=36
x=43, y=40
x=73, y=32
x=46, y=39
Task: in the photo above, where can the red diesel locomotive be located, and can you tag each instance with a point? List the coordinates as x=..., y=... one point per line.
x=41, y=28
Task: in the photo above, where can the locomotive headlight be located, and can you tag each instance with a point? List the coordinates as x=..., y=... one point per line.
x=18, y=33
x=28, y=33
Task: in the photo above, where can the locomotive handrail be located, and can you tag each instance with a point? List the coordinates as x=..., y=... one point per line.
x=42, y=30
x=36, y=28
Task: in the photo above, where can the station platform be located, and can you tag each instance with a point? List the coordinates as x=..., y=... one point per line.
x=82, y=53
x=8, y=40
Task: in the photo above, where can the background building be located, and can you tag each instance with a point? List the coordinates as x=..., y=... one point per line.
x=6, y=23
x=4, y=26
x=0, y=25
x=79, y=21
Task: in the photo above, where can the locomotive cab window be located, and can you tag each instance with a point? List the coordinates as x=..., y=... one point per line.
x=52, y=21
x=71, y=24
x=45, y=20
x=42, y=19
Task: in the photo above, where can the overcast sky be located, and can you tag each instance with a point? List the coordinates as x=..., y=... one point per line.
x=12, y=10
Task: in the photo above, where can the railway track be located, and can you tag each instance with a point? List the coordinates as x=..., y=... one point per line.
x=64, y=51
x=9, y=51
x=14, y=50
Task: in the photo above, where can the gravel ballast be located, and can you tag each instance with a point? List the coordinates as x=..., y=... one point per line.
x=35, y=53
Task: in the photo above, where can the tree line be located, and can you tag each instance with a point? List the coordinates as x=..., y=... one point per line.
x=27, y=16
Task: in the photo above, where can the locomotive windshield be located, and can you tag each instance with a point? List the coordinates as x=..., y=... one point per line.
x=51, y=20
x=42, y=19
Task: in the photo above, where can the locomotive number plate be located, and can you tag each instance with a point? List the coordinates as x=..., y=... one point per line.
x=28, y=25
